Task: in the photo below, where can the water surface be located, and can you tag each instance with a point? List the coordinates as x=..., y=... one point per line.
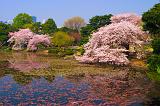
x=31, y=79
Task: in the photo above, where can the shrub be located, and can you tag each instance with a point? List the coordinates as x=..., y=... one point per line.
x=54, y=50
x=62, y=51
x=80, y=50
x=69, y=51
x=156, y=46
x=153, y=62
x=62, y=39
x=5, y=49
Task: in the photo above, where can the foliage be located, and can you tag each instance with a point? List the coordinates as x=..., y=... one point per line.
x=61, y=39
x=21, y=20
x=87, y=30
x=25, y=38
x=73, y=33
x=154, y=62
x=80, y=50
x=54, y=50
x=67, y=30
x=153, y=76
x=5, y=49
x=129, y=17
x=69, y=51
x=94, y=23
x=76, y=36
x=107, y=45
x=4, y=30
x=156, y=46
x=75, y=23
x=2, y=39
x=49, y=27
x=36, y=27
x=27, y=26
x=84, y=40
x=100, y=21
x=62, y=51
x=152, y=24
x=151, y=20
x=158, y=69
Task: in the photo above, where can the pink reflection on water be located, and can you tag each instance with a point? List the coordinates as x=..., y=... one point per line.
x=27, y=62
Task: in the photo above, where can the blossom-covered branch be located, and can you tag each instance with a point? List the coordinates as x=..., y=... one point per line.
x=25, y=38
x=107, y=45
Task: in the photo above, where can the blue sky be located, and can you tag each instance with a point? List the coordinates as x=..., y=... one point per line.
x=60, y=10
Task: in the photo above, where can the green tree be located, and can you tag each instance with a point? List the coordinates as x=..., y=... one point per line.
x=153, y=62
x=94, y=23
x=87, y=30
x=36, y=27
x=28, y=26
x=67, y=30
x=61, y=39
x=100, y=21
x=21, y=20
x=151, y=20
x=4, y=30
x=49, y=27
x=156, y=46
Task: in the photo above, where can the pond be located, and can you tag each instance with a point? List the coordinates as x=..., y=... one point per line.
x=31, y=79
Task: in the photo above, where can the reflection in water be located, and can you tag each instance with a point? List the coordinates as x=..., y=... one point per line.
x=110, y=88
x=26, y=62
x=60, y=91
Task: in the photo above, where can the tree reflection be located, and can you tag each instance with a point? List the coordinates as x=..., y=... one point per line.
x=123, y=90
x=27, y=62
x=19, y=76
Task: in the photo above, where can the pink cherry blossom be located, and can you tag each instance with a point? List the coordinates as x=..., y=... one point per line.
x=106, y=45
x=38, y=39
x=25, y=38
x=130, y=17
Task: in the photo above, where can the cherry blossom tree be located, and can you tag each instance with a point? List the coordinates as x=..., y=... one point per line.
x=20, y=39
x=25, y=38
x=38, y=39
x=107, y=44
x=130, y=17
